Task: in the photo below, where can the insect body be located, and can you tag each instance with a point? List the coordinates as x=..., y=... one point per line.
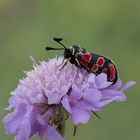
x=93, y=63
x=99, y=64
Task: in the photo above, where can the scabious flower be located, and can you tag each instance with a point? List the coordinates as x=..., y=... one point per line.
x=43, y=100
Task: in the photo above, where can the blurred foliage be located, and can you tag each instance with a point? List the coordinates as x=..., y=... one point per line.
x=111, y=28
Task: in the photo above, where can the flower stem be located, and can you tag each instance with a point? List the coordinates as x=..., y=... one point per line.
x=61, y=129
x=62, y=121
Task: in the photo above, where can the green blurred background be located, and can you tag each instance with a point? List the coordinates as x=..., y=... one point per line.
x=107, y=27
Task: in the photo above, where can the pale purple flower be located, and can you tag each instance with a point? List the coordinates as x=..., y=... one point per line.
x=42, y=101
x=93, y=95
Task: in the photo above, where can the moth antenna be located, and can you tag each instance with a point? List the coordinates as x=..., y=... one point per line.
x=51, y=48
x=58, y=41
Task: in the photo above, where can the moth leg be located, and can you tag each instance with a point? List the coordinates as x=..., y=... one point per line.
x=64, y=64
x=78, y=63
x=61, y=63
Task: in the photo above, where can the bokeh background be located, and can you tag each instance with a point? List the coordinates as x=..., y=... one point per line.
x=107, y=27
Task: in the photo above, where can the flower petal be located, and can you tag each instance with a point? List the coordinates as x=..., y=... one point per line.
x=76, y=94
x=44, y=118
x=92, y=95
x=105, y=102
x=117, y=85
x=104, y=85
x=24, y=130
x=109, y=94
x=52, y=134
x=88, y=106
x=100, y=79
x=80, y=116
x=128, y=85
x=13, y=120
x=65, y=103
x=91, y=81
x=42, y=131
x=91, y=78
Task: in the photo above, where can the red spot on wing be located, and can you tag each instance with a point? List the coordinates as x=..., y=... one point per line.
x=82, y=61
x=86, y=57
x=95, y=68
x=112, y=72
x=100, y=61
x=105, y=70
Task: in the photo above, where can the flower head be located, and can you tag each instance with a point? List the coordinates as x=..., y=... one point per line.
x=42, y=101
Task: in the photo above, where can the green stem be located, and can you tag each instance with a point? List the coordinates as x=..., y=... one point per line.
x=62, y=119
x=61, y=129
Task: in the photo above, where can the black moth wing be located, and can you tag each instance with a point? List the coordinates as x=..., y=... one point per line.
x=94, y=59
